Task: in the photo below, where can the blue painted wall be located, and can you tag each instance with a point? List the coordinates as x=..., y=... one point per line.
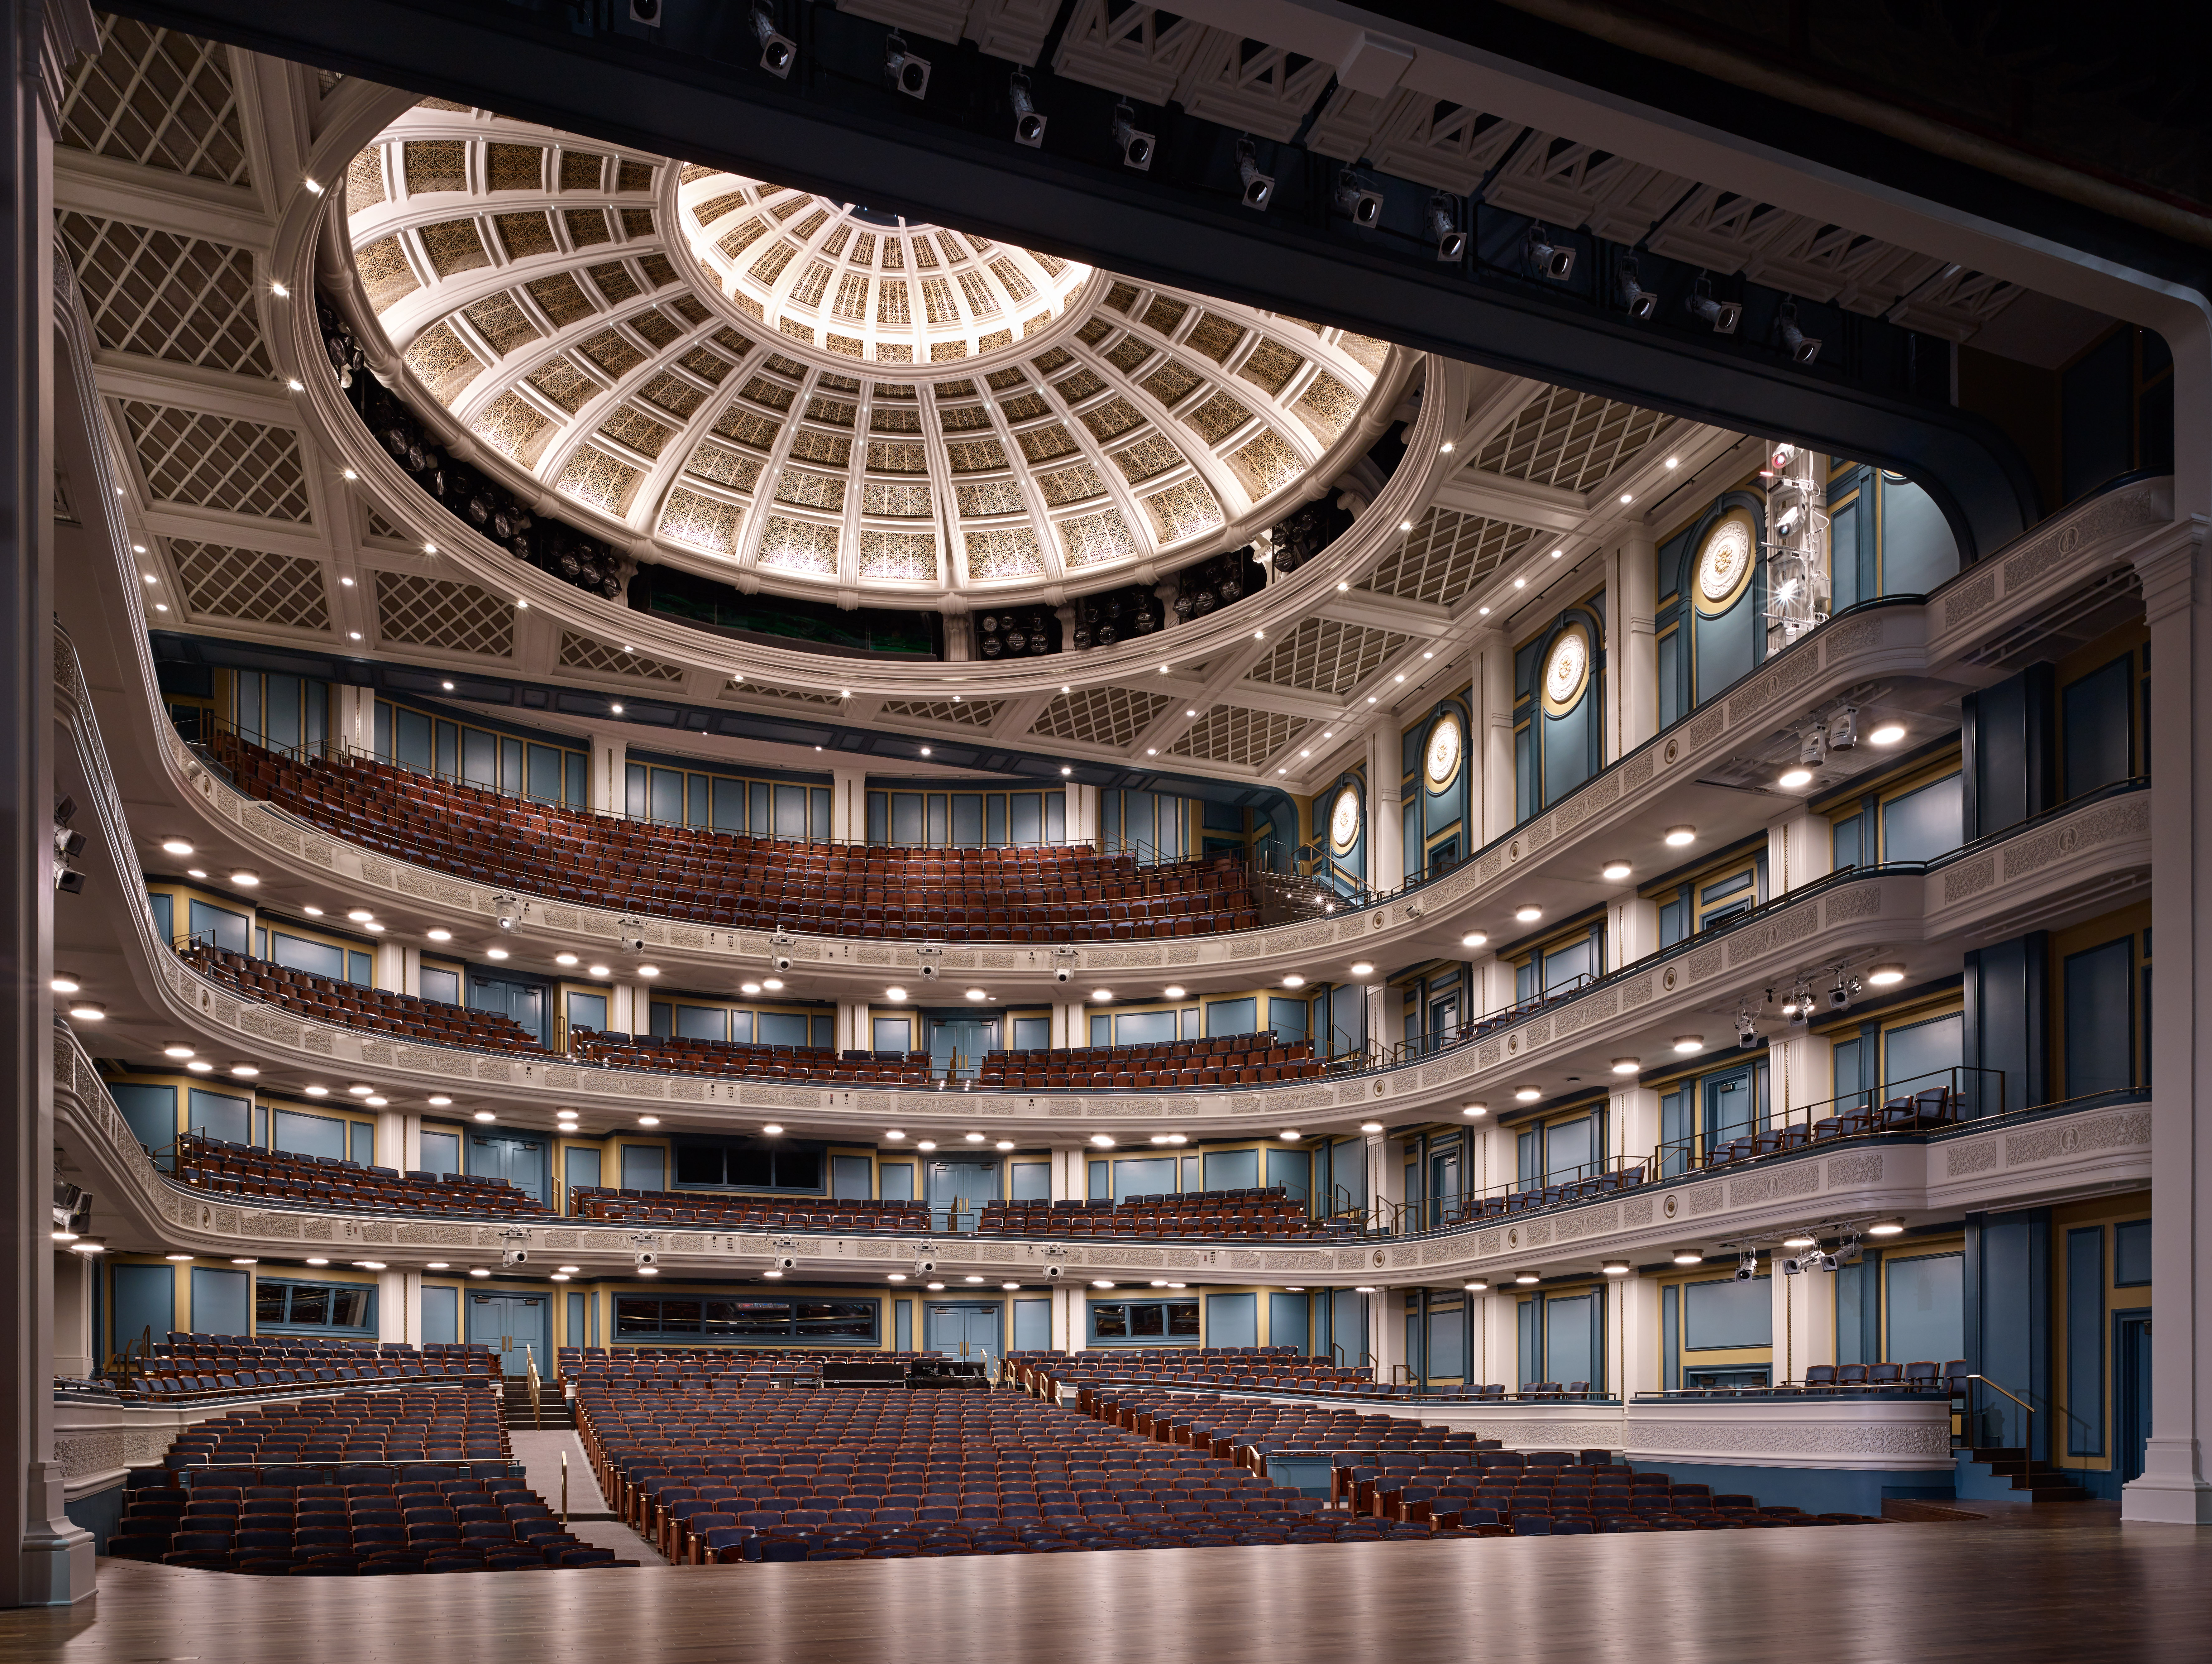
x=1815, y=1489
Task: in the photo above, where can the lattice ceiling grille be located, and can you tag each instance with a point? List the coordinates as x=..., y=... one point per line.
x=251, y=584
x=1109, y=716
x=178, y=298
x=157, y=98
x=1570, y=440
x=1239, y=736
x=582, y=653
x=435, y=613
x=1327, y=657
x=218, y=462
x=967, y=713
x=795, y=695
x=1445, y=555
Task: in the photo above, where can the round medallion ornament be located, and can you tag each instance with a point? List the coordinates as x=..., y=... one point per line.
x=1724, y=563
x=1566, y=670
x=1441, y=765
x=1344, y=821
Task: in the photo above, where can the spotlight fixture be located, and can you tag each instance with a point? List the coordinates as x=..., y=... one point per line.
x=1685, y=1044
x=1678, y=836
x=1613, y=871
x=1722, y=315
x=778, y=52
x=1259, y=188
x=1813, y=747
x=1839, y=996
x=1028, y=125
x=1886, y=976
x=507, y=911
x=1803, y=349
x=1137, y=147
x=904, y=72
x=1640, y=301
x=1545, y=259
x=1688, y=1256
x=1844, y=728
x=1443, y=230
x=1356, y=202
x=1626, y=1065
x=1472, y=1110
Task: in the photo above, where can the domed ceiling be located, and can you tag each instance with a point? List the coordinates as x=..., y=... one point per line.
x=823, y=396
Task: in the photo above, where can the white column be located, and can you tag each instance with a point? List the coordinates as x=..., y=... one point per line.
x=629, y=1008
x=1501, y=1331
x=1384, y=1027
x=1636, y=1366
x=73, y=1342
x=1385, y=832
x=352, y=717
x=1804, y=1317
x=1386, y=1331
x=391, y=971
x=1634, y=662
x=411, y=1142
x=2177, y=606
x=1082, y=813
x=391, y=1139
x=1801, y=1067
x=1633, y=1111
x=853, y=1025
x=610, y=774
x=1494, y=686
x=1800, y=848
x=411, y=971
x=1631, y=930
x=399, y=1307
x=849, y=804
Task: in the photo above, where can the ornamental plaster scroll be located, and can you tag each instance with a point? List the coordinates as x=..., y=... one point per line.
x=2129, y=1130
x=1976, y=1155
x=1928, y=1441
x=1546, y=1435
x=1862, y=1169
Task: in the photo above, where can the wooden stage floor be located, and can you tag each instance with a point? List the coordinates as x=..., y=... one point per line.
x=1887, y=1594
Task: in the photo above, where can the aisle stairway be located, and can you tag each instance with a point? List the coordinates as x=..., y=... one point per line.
x=2008, y=1470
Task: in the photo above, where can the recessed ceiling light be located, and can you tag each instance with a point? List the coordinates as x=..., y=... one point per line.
x=88, y=1010
x=486, y=1115
x=749, y=988
x=1527, y=915
x=1678, y=835
x=1103, y=1140
x=1674, y=461
x=1688, y=1256
x=1004, y=1143
x=1292, y=1133
x=1615, y=871
x=1102, y=996
x=1626, y=1065
x=245, y=878
x=595, y=970
x=1362, y=968
x=495, y=952
x=772, y=1129
x=175, y=846
x=1173, y=990
x=1793, y=778
x=648, y=1120
x=1686, y=1043
x=1294, y=980
x=1890, y=1226
x=1886, y=976
x=359, y=915
x=1527, y=1277
x=894, y=1135
x=439, y=1100
x=440, y=935
x=1370, y=1126
x=977, y=994
x=564, y=958
x=251, y=1071
x=649, y=971
x=1526, y=1094
x=311, y=910
x=176, y=1051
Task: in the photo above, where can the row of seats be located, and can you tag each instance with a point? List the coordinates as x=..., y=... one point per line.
x=1241, y=1059
x=695, y=1057
x=327, y=999
x=1922, y=1376
x=229, y=1168
x=1057, y=894
x=1919, y=1112
x=369, y=1528
x=1202, y=1214
x=411, y=1424
x=778, y=1475
x=191, y=1365
x=706, y=1208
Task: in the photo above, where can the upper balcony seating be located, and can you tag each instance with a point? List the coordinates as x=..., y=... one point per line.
x=210, y=1365
x=432, y=1022
x=1264, y=1368
x=1040, y=894
x=1172, y=1066
x=324, y=1181
x=1236, y=1213
x=1910, y=1111
x=690, y=1057
x=706, y=1208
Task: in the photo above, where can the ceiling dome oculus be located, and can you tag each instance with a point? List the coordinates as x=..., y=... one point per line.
x=768, y=387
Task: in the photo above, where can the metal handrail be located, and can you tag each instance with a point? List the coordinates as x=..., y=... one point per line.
x=530, y=1366
x=2027, y=1410
x=1676, y=1158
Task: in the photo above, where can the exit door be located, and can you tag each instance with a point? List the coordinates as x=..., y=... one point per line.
x=956, y=1046
x=514, y=1326
x=2130, y=1390
x=962, y=1331
x=519, y=1161
x=969, y=1183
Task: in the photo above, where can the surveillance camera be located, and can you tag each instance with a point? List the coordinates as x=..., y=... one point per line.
x=785, y=1262
x=643, y=1258
x=781, y=962
x=924, y=1267
x=1055, y=1271
x=515, y=1256
x=1063, y=974
x=928, y=970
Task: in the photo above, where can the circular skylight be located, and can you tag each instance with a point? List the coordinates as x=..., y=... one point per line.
x=791, y=393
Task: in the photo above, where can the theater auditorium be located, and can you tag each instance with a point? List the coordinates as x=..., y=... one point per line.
x=1317, y=830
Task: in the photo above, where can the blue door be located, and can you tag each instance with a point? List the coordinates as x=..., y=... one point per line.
x=958, y=1330
x=514, y=1326
x=519, y=1161
x=2131, y=1388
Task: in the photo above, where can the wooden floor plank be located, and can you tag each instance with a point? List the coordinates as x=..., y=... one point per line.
x=1922, y=1593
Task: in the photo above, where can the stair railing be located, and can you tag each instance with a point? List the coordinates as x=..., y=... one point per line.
x=529, y=1365
x=2027, y=1411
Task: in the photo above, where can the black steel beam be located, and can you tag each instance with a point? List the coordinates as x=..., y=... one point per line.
x=693, y=92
